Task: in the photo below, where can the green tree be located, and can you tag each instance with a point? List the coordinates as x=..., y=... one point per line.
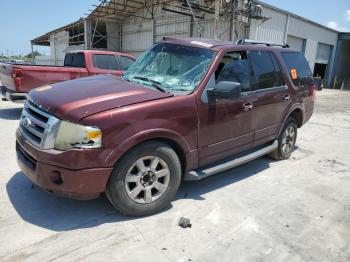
x=36, y=53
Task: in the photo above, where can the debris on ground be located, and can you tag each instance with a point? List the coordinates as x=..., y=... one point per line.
x=185, y=222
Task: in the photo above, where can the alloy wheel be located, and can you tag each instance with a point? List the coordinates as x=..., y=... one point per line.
x=147, y=179
x=288, y=140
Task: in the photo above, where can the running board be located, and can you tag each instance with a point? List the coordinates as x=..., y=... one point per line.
x=212, y=170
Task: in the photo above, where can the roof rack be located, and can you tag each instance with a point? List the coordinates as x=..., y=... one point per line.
x=253, y=42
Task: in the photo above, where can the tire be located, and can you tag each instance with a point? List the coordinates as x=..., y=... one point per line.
x=280, y=153
x=154, y=169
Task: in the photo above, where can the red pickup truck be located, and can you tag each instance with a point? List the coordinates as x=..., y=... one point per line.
x=187, y=109
x=17, y=80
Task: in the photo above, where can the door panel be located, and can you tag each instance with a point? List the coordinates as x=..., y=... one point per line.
x=269, y=108
x=270, y=97
x=225, y=127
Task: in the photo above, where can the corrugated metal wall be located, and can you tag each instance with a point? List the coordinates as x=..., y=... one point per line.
x=58, y=43
x=314, y=35
x=139, y=34
x=296, y=43
x=172, y=26
x=271, y=30
x=280, y=25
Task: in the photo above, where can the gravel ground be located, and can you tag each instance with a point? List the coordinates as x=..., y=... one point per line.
x=293, y=210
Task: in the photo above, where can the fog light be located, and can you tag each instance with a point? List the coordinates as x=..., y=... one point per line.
x=56, y=178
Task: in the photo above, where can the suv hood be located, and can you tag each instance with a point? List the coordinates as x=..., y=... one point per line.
x=76, y=99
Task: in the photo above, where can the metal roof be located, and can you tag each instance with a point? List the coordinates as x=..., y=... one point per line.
x=119, y=10
x=44, y=40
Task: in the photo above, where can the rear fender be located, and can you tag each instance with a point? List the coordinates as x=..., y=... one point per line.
x=297, y=106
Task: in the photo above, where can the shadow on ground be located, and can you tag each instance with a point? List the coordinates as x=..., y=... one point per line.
x=58, y=214
x=11, y=113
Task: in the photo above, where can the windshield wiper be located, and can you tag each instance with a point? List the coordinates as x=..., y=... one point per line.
x=154, y=83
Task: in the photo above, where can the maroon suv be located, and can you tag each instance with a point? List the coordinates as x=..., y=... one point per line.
x=187, y=109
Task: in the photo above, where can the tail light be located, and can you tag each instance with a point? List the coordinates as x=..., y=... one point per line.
x=17, y=72
x=313, y=91
x=17, y=76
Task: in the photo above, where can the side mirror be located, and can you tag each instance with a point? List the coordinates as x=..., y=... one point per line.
x=225, y=90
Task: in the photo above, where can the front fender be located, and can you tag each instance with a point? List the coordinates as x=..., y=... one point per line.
x=154, y=134
x=191, y=156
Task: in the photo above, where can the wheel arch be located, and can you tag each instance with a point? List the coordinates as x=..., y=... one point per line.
x=298, y=113
x=172, y=139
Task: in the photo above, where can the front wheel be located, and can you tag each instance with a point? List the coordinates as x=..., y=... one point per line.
x=286, y=141
x=145, y=180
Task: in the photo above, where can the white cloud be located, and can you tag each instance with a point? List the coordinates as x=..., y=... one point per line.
x=333, y=25
x=336, y=26
x=347, y=14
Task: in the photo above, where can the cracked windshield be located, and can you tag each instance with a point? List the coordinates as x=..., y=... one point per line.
x=171, y=68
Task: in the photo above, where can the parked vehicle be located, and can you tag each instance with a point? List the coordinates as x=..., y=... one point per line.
x=22, y=62
x=318, y=82
x=18, y=80
x=186, y=110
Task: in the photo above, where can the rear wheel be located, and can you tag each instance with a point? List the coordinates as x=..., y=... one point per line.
x=145, y=180
x=286, y=141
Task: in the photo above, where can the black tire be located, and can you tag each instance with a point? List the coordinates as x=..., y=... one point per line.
x=117, y=189
x=279, y=153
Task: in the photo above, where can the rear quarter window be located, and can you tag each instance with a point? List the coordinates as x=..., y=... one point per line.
x=75, y=60
x=266, y=70
x=296, y=62
x=106, y=62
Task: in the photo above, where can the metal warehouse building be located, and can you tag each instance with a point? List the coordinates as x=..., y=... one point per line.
x=132, y=26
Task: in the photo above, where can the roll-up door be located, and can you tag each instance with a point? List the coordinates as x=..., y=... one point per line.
x=323, y=53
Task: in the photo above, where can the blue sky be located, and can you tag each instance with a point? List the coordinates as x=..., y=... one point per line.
x=334, y=14
x=23, y=20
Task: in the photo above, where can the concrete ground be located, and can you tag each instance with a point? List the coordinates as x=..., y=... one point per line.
x=293, y=210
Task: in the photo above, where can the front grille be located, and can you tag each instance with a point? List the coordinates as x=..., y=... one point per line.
x=37, y=126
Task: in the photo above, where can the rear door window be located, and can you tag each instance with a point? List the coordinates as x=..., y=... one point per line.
x=106, y=62
x=75, y=60
x=298, y=67
x=234, y=67
x=125, y=62
x=266, y=70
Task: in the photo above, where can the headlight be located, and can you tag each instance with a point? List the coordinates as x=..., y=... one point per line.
x=77, y=136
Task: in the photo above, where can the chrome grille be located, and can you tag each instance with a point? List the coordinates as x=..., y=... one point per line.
x=38, y=127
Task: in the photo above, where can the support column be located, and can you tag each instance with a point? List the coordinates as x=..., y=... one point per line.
x=232, y=20
x=87, y=34
x=32, y=48
x=286, y=27
x=154, y=30
x=217, y=19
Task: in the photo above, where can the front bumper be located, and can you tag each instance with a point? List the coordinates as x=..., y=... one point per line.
x=11, y=95
x=80, y=184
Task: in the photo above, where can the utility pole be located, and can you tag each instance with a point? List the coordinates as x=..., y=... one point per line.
x=217, y=19
x=232, y=20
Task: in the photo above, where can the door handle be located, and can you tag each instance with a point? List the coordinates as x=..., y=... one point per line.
x=286, y=97
x=247, y=107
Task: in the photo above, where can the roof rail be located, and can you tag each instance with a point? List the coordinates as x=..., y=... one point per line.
x=253, y=42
